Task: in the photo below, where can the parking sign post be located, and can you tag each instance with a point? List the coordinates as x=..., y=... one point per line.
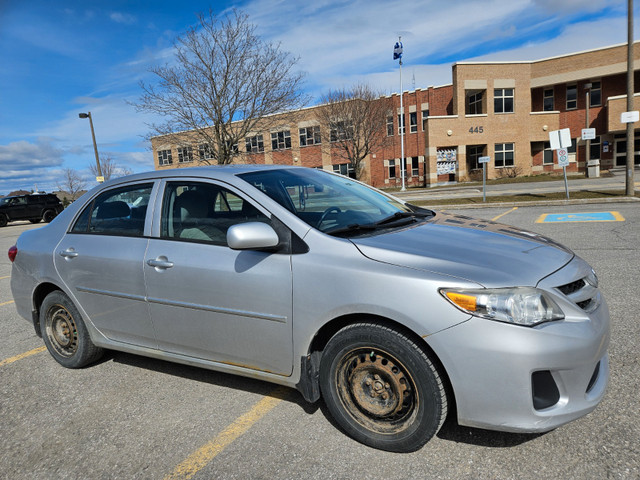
x=560, y=140
x=484, y=161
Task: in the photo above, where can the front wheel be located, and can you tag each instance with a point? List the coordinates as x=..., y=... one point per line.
x=48, y=215
x=382, y=388
x=65, y=334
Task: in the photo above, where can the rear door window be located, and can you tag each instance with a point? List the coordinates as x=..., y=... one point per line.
x=120, y=211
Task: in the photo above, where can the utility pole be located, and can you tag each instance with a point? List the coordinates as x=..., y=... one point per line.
x=629, y=191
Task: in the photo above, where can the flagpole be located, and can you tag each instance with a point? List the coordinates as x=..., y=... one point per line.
x=401, y=125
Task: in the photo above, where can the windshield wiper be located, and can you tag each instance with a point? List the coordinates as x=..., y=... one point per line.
x=402, y=215
x=352, y=228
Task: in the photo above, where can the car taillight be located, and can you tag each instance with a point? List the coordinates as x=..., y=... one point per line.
x=13, y=251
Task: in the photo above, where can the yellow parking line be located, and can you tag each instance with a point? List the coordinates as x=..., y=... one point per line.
x=22, y=355
x=503, y=214
x=201, y=457
x=6, y=303
x=8, y=276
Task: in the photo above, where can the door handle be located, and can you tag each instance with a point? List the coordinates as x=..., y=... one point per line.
x=160, y=263
x=69, y=253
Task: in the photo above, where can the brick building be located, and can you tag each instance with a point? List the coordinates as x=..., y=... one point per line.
x=503, y=110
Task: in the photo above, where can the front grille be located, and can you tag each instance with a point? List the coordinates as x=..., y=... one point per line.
x=582, y=293
x=572, y=287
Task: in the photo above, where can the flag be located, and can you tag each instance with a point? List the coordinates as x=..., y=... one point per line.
x=397, y=51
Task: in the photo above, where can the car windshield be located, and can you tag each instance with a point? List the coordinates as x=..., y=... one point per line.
x=332, y=203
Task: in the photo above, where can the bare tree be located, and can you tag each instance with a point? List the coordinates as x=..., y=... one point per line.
x=225, y=84
x=356, y=119
x=110, y=169
x=72, y=183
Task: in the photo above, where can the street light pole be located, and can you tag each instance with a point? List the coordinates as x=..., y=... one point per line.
x=95, y=145
x=629, y=190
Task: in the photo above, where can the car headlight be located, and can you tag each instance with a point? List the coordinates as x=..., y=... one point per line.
x=521, y=305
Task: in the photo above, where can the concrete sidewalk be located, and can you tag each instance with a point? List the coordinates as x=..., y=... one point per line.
x=614, y=181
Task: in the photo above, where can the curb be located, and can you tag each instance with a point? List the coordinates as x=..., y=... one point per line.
x=584, y=201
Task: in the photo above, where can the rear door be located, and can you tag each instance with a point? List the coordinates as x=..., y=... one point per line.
x=209, y=301
x=101, y=262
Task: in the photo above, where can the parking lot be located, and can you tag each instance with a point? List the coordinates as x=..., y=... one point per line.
x=134, y=417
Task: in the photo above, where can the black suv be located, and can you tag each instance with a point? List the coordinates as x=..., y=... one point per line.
x=36, y=207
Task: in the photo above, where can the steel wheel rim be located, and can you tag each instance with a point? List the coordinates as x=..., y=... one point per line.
x=377, y=390
x=61, y=331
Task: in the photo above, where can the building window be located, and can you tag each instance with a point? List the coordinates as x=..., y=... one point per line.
x=392, y=169
x=413, y=122
x=185, y=154
x=401, y=124
x=503, y=100
x=425, y=114
x=204, y=151
x=594, y=149
x=572, y=97
x=415, y=167
x=389, y=125
x=572, y=148
x=254, y=144
x=310, y=136
x=595, y=96
x=504, y=155
x=345, y=169
x=341, y=131
x=164, y=157
x=232, y=147
x=547, y=154
x=281, y=140
x=474, y=102
x=474, y=152
x=547, y=100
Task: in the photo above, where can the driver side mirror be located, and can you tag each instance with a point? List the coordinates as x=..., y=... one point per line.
x=252, y=236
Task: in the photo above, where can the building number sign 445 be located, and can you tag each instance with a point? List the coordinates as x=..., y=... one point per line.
x=479, y=129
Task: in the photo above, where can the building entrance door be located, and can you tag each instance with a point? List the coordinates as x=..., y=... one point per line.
x=620, y=152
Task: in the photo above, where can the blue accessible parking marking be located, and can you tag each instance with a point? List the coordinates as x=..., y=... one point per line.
x=580, y=217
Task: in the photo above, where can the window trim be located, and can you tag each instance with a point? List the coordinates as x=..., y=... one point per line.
x=547, y=97
x=504, y=151
x=574, y=101
x=502, y=99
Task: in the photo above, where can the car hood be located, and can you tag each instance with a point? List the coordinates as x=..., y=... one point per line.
x=488, y=253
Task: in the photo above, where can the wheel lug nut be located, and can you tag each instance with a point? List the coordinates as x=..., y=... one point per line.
x=385, y=395
x=376, y=376
x=386, y=385
x=368, y=382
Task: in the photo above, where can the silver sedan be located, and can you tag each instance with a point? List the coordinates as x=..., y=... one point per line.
x=395, y=315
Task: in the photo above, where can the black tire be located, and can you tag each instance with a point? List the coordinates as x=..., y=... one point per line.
x=48, y=215
x=65, y=334
x=3, y=220
x=382, y=388
x=35, y=220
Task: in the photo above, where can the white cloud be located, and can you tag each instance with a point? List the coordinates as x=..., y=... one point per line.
x=123, y=18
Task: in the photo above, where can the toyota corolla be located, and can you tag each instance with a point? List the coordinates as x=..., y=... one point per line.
x=396, y=316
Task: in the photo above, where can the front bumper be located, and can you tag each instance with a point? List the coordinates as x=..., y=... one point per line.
x=491, y=367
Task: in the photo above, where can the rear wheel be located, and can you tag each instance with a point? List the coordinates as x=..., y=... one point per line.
x=65, y=334
x=382, y=388
x=48, y=215
x=3, y=220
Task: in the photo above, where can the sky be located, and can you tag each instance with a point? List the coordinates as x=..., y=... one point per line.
x=67, y=57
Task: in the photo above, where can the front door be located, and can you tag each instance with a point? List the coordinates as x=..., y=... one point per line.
x=209, y=301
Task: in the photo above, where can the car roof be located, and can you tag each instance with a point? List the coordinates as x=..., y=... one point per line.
x=212, y=171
